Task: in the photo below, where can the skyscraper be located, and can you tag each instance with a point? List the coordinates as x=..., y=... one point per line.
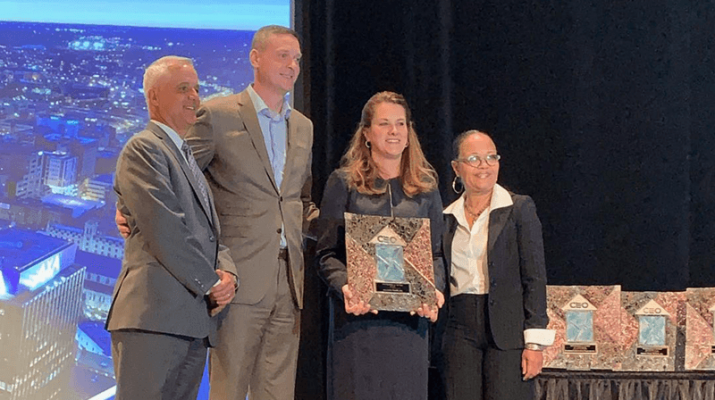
x=20, y=171
x=40, y=305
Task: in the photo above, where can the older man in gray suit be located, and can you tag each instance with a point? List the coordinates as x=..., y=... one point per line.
x=174, y=275
x=256, y=152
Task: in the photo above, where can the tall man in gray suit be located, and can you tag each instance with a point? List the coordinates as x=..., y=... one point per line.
x=256, y=152
x=170, y=283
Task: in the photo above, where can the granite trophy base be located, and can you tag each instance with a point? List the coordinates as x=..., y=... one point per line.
x=389, y=261
x=700, y=329
x=653, y=329
x=587, y=324
x=603, y=328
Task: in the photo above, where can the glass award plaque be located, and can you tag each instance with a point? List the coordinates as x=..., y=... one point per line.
x=389, y=261
x=579, y=326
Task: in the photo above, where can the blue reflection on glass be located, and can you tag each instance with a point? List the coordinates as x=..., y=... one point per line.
x=390, y=266
x=652, y=330
x=579, y=326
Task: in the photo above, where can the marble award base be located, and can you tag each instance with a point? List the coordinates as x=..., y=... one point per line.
x=700, y=329
x=587, y=324
x=604, y=328
x=389, y=261
x=651, y=327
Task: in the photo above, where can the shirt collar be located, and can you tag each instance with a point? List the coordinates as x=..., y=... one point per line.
x=261, y=105
x=500, y=199
x=178, y=141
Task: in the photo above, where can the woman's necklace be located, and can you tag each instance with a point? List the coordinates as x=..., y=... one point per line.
x=474, y=214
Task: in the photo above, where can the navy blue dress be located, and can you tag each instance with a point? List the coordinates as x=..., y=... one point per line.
x=383, y=356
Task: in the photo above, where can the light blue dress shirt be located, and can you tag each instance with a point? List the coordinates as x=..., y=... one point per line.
x=274, y=127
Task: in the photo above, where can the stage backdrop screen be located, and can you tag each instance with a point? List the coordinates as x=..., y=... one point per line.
x=70, y=98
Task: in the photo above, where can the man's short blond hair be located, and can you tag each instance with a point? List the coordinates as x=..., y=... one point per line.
x=260, y=39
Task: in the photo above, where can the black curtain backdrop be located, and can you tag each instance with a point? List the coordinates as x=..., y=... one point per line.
x=604, y=112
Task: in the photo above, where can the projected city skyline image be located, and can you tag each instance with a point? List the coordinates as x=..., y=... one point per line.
x=70, y=98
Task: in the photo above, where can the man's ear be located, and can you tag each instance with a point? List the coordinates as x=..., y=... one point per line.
x=253, y=57
x=151, y=95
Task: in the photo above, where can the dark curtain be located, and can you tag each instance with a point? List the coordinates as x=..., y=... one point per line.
x=604, y=112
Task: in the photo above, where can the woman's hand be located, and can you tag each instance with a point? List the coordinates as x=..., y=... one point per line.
x=531, y=363
x=431, y=312
x=352, y=306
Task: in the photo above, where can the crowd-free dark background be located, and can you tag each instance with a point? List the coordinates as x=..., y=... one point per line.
x=603, y=112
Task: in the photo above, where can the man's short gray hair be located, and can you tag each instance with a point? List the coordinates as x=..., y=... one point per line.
x=159, y=68
x=261, y=37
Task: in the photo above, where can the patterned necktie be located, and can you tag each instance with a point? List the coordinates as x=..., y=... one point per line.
x=196, y=171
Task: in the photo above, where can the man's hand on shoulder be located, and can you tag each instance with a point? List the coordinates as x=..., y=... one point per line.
x=122, y=224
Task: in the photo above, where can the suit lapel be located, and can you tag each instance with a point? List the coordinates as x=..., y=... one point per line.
x=247, y=110
x=450, y=229
x=179, y=158
x=497, y=221
x=292, y=136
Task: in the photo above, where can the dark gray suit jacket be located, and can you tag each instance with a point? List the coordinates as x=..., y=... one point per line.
x=517, y=273
x=172, y=252
x=228, y=144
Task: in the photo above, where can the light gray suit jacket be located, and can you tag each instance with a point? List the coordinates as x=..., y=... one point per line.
x=228, y=144
x=172, y=252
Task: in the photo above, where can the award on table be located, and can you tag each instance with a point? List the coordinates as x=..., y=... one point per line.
x=389, y=261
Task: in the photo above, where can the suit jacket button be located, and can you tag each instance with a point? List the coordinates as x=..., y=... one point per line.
x=278, y=231
x=211, y=238
x=491, y=302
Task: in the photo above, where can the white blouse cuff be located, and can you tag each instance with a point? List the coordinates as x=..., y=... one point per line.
x=544, y=337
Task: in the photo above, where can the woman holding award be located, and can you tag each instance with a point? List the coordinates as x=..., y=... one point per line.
x=378, y=355
x=496, y=307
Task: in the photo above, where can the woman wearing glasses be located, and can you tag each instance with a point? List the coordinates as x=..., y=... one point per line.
x=496, y=311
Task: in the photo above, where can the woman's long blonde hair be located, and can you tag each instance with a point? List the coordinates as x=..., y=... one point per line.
x=416, y=174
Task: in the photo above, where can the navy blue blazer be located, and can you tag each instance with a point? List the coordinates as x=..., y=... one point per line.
x=517, y=273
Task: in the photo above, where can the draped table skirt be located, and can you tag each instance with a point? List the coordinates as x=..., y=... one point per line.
x=611, y=385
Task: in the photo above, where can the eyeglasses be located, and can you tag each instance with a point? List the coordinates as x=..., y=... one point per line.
x=475, y=161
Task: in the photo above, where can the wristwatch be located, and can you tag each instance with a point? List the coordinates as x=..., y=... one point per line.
x=534, y=346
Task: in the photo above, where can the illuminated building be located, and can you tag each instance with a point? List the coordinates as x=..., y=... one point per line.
x=88, y=239
x=60, y=133
x=99, y=189
x=60, y=172
x=40, y=306
x=20, y=171
x=95, y=348
x=65, y=127
x=85, y=149
x=31, y=214
x=77, y=206
x=35, y=214
x=100, y=278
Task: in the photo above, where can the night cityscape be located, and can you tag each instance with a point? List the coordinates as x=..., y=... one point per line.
x=70, y=98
